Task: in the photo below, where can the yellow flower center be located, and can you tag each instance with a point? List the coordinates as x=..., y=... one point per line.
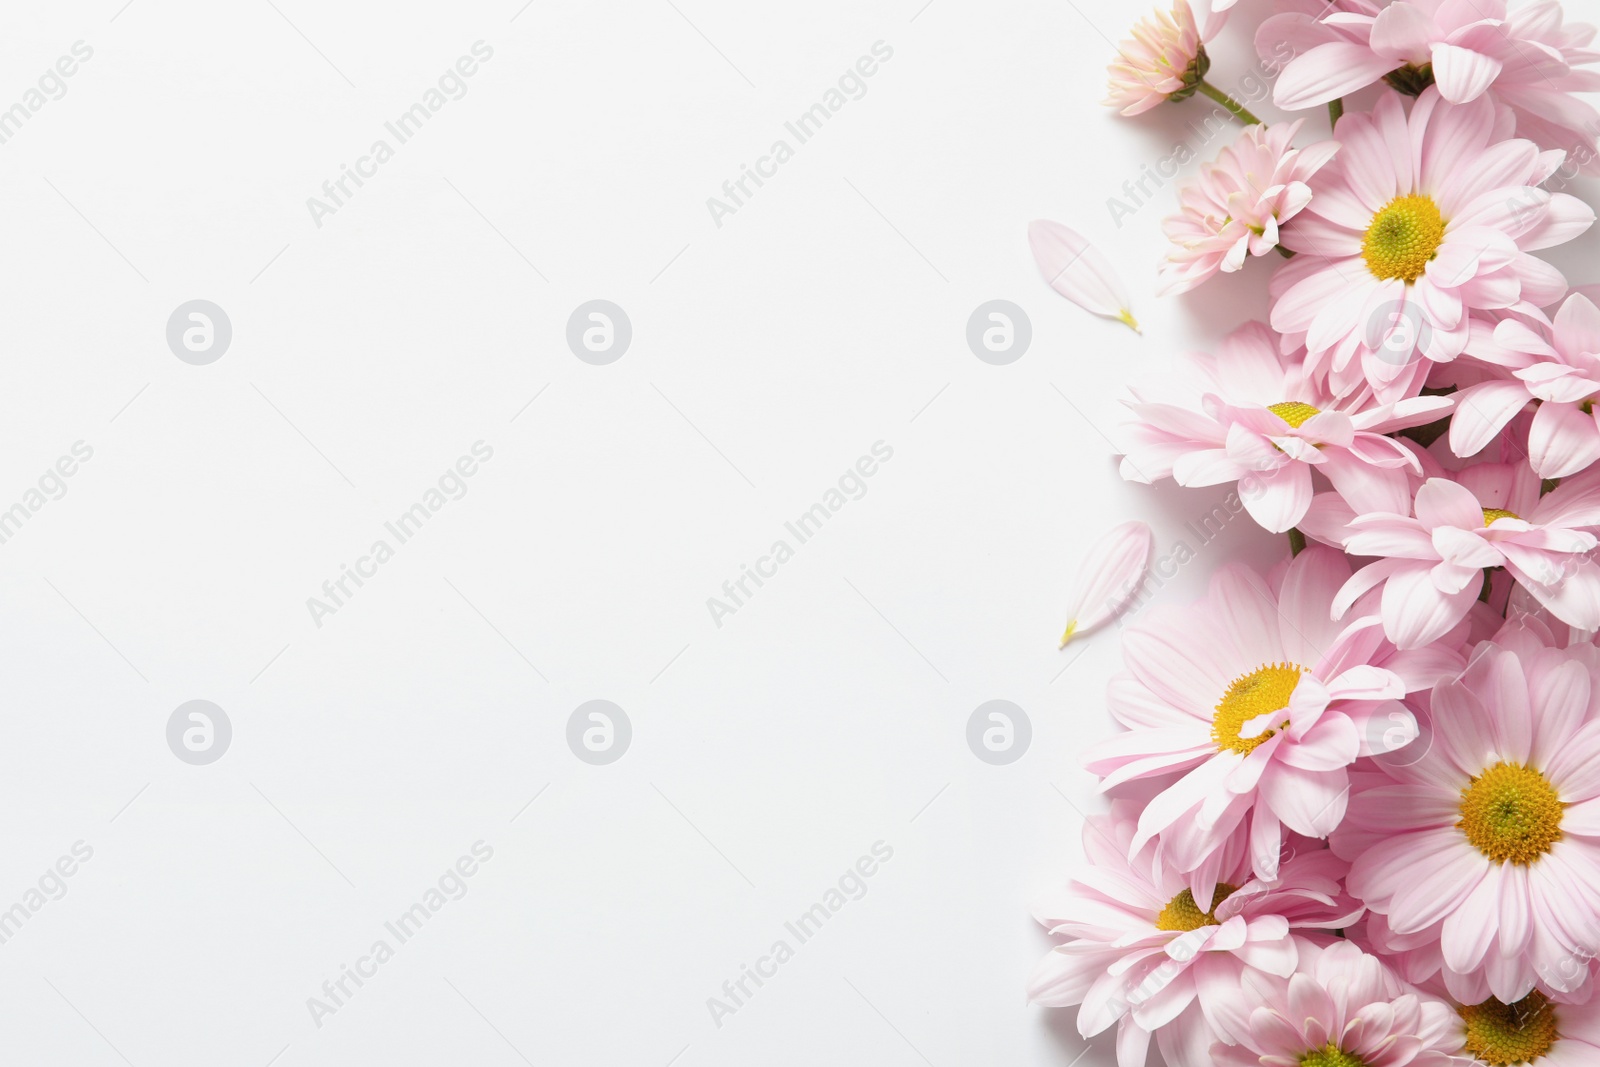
x=1331, y=1055
x=1403, y=237
x=1182, y=914
x=1505, y=1034
x=1510, y=813
x=1293, y=412
x=1491, y=514
x=1265, y=689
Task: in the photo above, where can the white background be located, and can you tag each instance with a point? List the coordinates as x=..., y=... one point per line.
x=369, y=353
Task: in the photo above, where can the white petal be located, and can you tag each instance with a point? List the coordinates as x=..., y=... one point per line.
x=1078, y=271
x=1109, y=577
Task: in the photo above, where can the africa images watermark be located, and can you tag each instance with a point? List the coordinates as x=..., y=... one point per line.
x=736, y=191
x=451, y=485
x=452, y=85
x=851, y=885
x=451, y=886
x=52, y=85
x=51, y=886
x=1165, y=567
x=852, y=485
x=52, y=485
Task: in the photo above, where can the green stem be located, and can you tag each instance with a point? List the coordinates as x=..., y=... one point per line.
x=1285, y=253
x=1335, y=110
x=1239, y=111
x=1488, y=584
x=1297, y=541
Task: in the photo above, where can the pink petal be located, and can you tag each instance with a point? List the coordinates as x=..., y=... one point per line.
x=1109, y=577
x=1308, y=802
x=1562, y=694
x=1482, y=411
x=1462, y=75
x=1416, y=613
x=1365, y=580
x=1389, y=535
x=1469, y=930
x=1367, y=487
x=1312, y=581
x=1277, y=499
x=1328, y=746
x=1562, y=440
x=1437, y=888
x=1441, y=502
x=1565, y=218
x=1328, y=71
x=1402, y=34
x=1574, y=594
x=1078, y=271
x=1577, y=324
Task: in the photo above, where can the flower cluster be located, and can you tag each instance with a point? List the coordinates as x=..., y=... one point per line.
x=1354, y=811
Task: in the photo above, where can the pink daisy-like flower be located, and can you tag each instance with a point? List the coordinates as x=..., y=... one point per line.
x=1259, y=420
x=1535, y=1030
x=1419, y=221
x=1141, y=954
x=1233, y=208
x=1539, y=81
x=1526, y=56
x=1164, y=60
x=1342, y=1008
x=1492, y=837
x=1258, y=702
x=1463, y=48
x=1492, y=516
x=1559, y=367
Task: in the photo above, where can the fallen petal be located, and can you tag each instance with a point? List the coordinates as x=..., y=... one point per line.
x=1078, y=271
x=1109, y=577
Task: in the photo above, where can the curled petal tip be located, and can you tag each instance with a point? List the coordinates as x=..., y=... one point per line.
x=1109, y=578
x=1072, y=628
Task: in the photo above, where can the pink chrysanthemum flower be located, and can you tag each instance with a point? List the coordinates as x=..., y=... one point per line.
x=1164, y=60
x=1492, y=516
x=1233, y=208
x=1258, y=702
x=1141, y=954
x=1420, y=221
x=1535, y=1030
x=1526, y=56
x=1560, y=368
x=1341, y=1009
x=1492, y=837
x=1257, y=419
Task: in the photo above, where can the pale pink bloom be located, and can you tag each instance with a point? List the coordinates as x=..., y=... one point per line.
x=1492, y=837
x=1524, y=55
x=1540, y=81
x=1164, y=59
x=1568, y=1033
x=1419, y=222
x=1079, y=271
x=1233, y=208
x=1492, y=516
x=1108, y=578
x=1141, y=954
x=1341, y=1000
x=1252, y=702
x=1560, y=368
x=1256, y=418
